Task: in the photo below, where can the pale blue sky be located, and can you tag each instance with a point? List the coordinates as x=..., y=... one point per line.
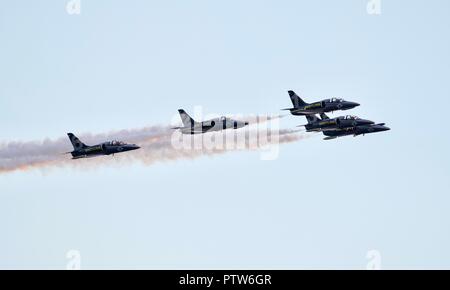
x=321, y=204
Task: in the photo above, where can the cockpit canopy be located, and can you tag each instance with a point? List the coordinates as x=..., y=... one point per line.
x=116, y=143
x=336, y=100
x=349, y=117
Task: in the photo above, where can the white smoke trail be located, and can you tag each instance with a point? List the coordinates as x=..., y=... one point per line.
x=155, y=142
x=25, y=155
x=259, y=118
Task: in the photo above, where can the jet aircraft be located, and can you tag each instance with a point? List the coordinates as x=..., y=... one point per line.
x=302, y=108
x=190, y=126
x=81, y=150
x=356, y=131
x=324, y=123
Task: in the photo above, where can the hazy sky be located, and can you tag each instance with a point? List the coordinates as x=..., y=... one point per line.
x=320, y=204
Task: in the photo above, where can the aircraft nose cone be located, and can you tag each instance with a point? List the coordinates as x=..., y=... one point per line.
x=348, y=105
x=134, y=147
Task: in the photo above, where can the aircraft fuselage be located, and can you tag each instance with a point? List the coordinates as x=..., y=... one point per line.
x=356, y=131
x=323, y=106
x=102, y=149
x=336, y=124
x=212, y=125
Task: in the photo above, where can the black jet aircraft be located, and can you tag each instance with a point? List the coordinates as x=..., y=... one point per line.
x=81, y=150
x=190, y=126
x=302, y=108
x=356, y=131
x=324, y=123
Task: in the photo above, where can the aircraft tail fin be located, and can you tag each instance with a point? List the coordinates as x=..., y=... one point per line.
x=324, y=116
x=76, y=143
x=296, y=100
x=186, y=119
x=312, y=118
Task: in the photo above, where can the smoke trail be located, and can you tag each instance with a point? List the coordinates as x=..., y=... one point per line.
x=161, y=149
x=155, y=142
x=260, y=118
